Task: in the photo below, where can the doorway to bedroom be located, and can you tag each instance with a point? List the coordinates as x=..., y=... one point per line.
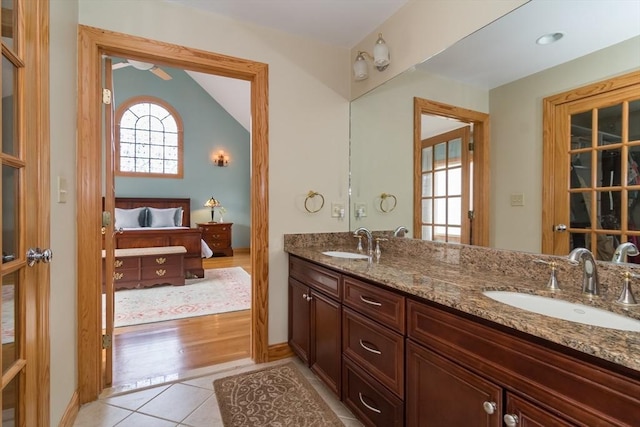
x=94, y=45
x=170, y=127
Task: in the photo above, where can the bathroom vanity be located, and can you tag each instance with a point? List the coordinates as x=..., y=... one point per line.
x=412, y=341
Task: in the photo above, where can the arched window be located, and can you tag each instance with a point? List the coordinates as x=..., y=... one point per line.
x=149, y=139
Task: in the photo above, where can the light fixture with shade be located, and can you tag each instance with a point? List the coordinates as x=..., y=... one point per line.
x=380, y=58
x=213, y=204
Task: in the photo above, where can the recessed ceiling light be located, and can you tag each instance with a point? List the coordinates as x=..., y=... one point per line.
x=549, y=38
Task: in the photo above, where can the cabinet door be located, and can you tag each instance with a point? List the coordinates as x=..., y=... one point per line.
x=441, y=393
x=326, y=349
x=299, y=319
x=522, y=413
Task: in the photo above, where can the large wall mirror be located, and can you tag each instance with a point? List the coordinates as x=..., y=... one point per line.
x=499, y=70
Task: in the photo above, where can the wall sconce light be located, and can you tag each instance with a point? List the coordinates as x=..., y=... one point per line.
x=221, y=159
x=380, y=59
x=213, y=204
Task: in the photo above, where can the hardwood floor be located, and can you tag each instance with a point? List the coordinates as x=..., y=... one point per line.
x=158, y=352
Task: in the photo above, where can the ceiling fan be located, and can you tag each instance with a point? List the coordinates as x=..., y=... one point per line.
x=143, y=66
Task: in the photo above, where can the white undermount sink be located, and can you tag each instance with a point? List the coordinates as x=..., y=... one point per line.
x=349, y=255
x=565, y=310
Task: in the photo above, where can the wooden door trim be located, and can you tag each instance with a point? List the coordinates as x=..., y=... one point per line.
x=92, y=44
x=551, y=134
x=481, y=178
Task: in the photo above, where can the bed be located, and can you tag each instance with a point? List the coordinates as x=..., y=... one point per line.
x=156, y=229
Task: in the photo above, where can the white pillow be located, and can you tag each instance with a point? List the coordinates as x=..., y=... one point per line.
x=130, y=218
x=170, y=217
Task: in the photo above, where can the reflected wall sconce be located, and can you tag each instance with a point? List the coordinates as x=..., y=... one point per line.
x=380, y=59
x=221, y=159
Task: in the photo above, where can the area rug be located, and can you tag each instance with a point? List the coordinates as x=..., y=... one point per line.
x=221, y=290
x=275, y=396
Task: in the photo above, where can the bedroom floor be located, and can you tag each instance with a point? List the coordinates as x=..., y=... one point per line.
x=190, y=402
x=160, y=352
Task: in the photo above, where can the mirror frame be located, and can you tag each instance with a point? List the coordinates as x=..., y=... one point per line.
x=481, y=168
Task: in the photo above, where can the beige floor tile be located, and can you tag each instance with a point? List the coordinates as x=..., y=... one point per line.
x=176, y=402
x=99, y=414
x=136, y=399
x=141, y=420
x=207, y=415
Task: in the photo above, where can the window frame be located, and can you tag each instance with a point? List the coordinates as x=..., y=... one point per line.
x=125, y=106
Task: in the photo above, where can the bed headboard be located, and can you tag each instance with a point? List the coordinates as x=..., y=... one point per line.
x=160, y=203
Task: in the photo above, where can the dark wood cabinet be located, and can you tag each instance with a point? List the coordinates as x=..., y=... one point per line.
x=145, y=267
x=217, y=236
x=315, y=320
x=522, y=413
x=410, y=361
x=441, y=393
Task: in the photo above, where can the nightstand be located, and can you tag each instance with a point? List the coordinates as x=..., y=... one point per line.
x=218, y=236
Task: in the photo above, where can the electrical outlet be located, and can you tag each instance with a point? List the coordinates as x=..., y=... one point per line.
x=517, y=199
x=360, y=210
x=337, y=210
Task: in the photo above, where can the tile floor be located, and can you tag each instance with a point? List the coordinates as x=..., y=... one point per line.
x=187, y=402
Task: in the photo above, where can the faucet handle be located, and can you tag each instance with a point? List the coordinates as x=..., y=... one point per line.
x=359, y=247
x=552, y=283
x=626, y=296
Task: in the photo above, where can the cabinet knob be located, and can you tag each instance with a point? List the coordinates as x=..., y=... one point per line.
x=307, y=297
x=489, y=407
x=511, y=420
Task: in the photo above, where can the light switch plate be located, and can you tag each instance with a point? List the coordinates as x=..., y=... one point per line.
x=337, y=210
x=517, y=199
x=360, y=210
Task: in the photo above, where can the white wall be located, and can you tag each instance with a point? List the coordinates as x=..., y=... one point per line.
x=421, y=29
x=516, y=140
x=63, y=36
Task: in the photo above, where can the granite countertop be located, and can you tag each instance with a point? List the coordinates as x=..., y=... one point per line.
x=460, y=287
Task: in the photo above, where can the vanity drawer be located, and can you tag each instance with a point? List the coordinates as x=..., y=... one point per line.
x=372, y=404
x=384, y=306
x=315, y=276
x=379, y=350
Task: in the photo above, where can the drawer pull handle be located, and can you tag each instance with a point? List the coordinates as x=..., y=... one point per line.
x=369, y=407
x=372, y=350
x=161, y=272
x=161, y=260
x=118, y=276
x=118, y=263
x=489, y=407
x=370, y=302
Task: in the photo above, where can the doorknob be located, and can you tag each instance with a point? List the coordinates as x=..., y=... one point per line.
x=35, y=255
x=559, y=227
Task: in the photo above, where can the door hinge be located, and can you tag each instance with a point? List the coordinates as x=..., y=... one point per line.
x=471, y=146
x=471, y=215
x=106, y=341
x=106, y=96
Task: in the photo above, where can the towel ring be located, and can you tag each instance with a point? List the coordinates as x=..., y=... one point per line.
x=311, y=195
x=385, y=196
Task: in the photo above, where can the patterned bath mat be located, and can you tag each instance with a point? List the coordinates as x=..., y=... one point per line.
x=277, y=396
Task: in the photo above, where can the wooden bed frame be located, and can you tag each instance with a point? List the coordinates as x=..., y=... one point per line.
x=189, y=238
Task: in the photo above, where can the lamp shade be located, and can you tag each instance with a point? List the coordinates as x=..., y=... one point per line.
x=360, y=70
x=380, y=53
x=212, y=203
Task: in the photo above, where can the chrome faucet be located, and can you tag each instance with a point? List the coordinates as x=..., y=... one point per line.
x=590, y=282
x=624, y=249
x=400, y=231
x=367, y=233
